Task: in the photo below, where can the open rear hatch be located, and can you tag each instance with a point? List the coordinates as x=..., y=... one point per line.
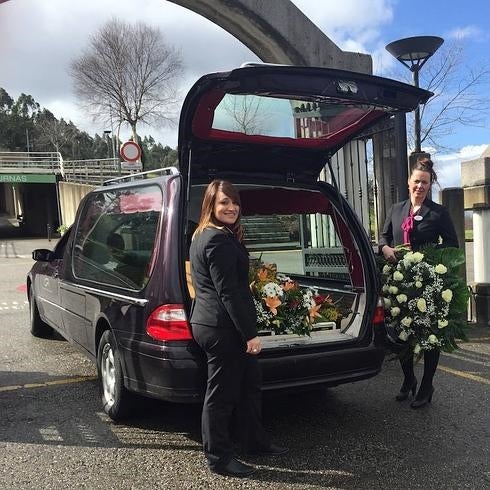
x=271, y=130
x=281, y=121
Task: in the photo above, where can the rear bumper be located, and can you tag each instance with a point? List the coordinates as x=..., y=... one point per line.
x=177, y=371
x=322, y=368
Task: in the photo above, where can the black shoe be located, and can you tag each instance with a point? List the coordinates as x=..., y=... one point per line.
x=421, y=401
x=406, y=389
x=271, y=450
x=234, y=468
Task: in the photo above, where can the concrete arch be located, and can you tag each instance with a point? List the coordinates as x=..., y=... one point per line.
x=278, y=32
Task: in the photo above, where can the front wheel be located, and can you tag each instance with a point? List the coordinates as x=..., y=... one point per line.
x=39, y=328
x=116, y=399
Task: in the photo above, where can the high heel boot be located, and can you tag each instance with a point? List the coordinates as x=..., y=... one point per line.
x=409, y=382
x=426, y=390
x=406, y=389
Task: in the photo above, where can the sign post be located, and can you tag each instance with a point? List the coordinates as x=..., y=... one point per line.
x=131, y=154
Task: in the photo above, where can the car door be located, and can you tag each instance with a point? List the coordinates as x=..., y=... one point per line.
x=47, y=285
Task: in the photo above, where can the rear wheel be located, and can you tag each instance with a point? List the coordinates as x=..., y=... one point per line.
x=39, y=328
x=116, y=399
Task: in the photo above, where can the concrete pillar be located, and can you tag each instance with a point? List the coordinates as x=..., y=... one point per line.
x=453, y=199
x=481, y=236
x=475, y=178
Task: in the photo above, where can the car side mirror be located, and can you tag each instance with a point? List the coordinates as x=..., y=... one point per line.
x=43, y=255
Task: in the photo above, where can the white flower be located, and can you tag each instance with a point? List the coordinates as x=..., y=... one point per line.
x=432, y=339
x=385, y=288
x=418, y=257
x=442, y=323
x=395, y=311
x=447, y=295
x=406, y=321
x=393, y=289
x=402, y=298
x=403, y=335
x=418, y=284
x=408, y=258
x=272, y=289
x=387, y=303
x=386, y=269
x=422, y=305
x=440, y=269
x=416, y=349
x=397, y=276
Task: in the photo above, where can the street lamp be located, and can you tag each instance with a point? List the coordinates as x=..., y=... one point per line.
x=107, y=132
x=413, y=52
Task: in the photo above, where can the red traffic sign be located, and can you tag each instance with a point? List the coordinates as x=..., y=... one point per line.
x=130, y=151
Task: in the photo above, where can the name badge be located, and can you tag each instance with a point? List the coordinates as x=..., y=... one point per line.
x=417, y=217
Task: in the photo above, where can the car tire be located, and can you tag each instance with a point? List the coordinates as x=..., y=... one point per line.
x=39, y=328
x=116, y=399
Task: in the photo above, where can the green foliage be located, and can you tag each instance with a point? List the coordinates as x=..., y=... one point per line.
x=24, y=119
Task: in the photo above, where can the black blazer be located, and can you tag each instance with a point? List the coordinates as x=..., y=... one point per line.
x=219, y=268
x=435, y=223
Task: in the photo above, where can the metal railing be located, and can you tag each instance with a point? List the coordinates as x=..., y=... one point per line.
x=93, y=172
x=31, y=161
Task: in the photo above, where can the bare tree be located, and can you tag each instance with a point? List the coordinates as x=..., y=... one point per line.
x=129, y=73
x=51, y=133
x=460, y=95
x=246, y=113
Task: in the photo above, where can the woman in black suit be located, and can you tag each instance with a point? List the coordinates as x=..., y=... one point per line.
x=223, y=320
x=418, y=221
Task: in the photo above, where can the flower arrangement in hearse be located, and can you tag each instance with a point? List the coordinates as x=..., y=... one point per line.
x=426, y=298
x=285, y=307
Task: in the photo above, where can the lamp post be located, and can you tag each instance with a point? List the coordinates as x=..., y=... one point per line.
x=413, y=52
x=107, y=132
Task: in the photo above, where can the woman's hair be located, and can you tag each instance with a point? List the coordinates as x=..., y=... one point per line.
x=209, y=200
x=425, y=164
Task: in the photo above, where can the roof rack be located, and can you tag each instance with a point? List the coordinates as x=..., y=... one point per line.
x=142, y=175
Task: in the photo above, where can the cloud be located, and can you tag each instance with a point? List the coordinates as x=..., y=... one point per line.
x=352, y=24
x=466, y=32
x=448, y=166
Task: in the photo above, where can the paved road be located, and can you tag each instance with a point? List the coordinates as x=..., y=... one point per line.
x=53, y=434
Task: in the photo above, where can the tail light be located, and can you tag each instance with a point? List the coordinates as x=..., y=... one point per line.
x=379, y=313
x=168, y=322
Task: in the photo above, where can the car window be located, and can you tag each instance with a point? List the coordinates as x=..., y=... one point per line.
x=302, y=233
x=288, y=242
x=59, y=249
x=115, y=236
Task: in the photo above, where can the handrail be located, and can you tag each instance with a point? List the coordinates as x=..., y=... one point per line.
x=92, y=172
x=32, y=161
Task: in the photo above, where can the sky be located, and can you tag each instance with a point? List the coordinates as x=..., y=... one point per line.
x=39, y=38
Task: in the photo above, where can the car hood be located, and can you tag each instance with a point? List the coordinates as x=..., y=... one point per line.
x=281, y=121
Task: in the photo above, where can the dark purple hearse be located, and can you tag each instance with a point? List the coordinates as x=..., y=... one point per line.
x=116, y=286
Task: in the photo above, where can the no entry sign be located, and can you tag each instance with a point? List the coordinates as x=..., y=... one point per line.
x=130, y=151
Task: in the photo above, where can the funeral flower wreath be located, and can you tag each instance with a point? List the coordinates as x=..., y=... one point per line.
x=284, y=307
x=425, y=297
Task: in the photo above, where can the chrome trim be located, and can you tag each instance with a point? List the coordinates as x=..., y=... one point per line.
x=107, y=294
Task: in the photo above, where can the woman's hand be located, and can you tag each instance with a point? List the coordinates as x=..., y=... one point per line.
x=253, y=346
x=389, y=253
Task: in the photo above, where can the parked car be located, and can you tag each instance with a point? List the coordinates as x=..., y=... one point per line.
x=117, y=285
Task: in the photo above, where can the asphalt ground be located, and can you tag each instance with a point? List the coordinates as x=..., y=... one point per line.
x=54, y=435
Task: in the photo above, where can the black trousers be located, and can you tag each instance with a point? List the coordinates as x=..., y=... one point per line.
x=233, y=401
